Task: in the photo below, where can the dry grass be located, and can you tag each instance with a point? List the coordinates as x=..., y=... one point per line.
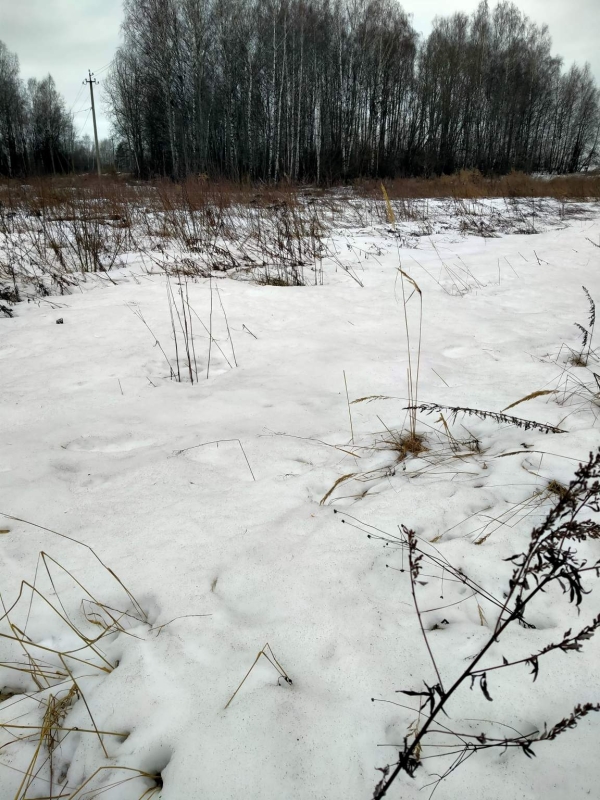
x=407, y=445
x=471, y=184
x=45, y=682
x=532, y=396
x=113, y=192
x=341, y=479
x=54, y=232
x=267, y=653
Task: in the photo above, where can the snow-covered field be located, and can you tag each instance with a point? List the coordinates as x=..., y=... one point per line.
x=205, y=500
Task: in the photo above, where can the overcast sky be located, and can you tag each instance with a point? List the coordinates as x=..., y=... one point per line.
x=68, y=37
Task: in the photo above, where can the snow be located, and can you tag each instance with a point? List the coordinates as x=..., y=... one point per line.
x=230, y=539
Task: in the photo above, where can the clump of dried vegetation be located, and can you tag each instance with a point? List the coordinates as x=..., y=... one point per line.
x=45, y=686
x=471, y=185
x=557, y=562
x=581, y=358
x=577, y=386
x=554, y=564
x=57, y=232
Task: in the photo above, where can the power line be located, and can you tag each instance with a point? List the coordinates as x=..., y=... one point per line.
x=84, y=124
x=76, y=99
x=106, y=66
x=83, y=107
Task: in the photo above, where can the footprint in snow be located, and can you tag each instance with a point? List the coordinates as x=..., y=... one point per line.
x=107, y=444
x=459, y=352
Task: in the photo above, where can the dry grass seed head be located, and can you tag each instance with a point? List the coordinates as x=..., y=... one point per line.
x=556, y=488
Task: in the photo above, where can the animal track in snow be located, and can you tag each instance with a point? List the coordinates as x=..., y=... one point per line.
x=460, y=352
x=107, y=444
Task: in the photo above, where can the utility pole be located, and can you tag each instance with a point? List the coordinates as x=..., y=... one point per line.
x=91, y=82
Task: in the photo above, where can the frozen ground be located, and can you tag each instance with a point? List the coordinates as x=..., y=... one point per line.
x=231, y=538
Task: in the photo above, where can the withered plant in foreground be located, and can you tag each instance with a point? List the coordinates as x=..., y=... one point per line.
x=550, y=560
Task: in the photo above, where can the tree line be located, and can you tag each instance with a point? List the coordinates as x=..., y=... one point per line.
x=38, y=134
x=35, y=129
x=334, y=89
x=325, y=90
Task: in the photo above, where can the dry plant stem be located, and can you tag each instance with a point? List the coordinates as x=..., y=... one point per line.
x=439, y=376
x=44, y=557
x=185, y=327
x=413, y=575
x=340, y=480
x=171, y=303
x=210, y=322
x=212, y=339
x=11, y=726
x=249, y=331
x=218, y=441
x=189, y=334
x=227, y=326
x=531, y=396
x=592, y=323
x=349, y=409
x=548, y=559
x=52, y=731
x=395, y=437
x=136, y=605
x=115, y=622
x=505, y=419
x=413, y=376
x=85, y=702
x=437, y=560
x=354, y=454
x=403, y=763
x=139, y=773
x=270, y=656
x=88, y=643
x=183, y=616
x=391, y=218
x=140, y=316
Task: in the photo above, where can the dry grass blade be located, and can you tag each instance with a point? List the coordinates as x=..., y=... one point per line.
x=79, y=793
x=412, y=370
x=412, y=281
x=59, y=685
x=267, y=652
x=159, y=628
x=336, y=484
x=85, y=702
x=531, y=396
x=352, y=453
x=391, y=217
x=349, y=410
x=137, y=606
x=217, y=442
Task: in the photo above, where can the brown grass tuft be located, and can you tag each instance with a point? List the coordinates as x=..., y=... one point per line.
x=408, y=444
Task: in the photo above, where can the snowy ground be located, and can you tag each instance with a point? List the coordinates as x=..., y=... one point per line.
x=91, y=433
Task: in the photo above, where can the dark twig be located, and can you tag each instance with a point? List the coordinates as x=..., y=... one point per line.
x=504, y=419
x=550, y=559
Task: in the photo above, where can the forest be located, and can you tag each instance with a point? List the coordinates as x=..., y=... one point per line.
x=317, y=91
